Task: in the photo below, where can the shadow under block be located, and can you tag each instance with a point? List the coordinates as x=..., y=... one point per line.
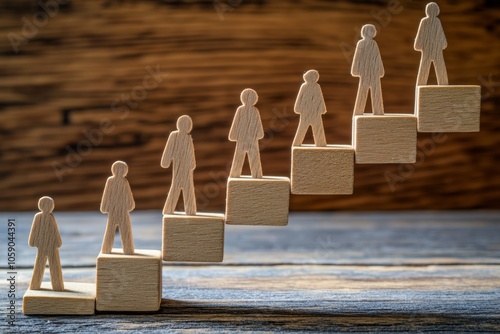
x=448, y=108
x=263, y=201
x=77, y=298
x=389, y=138
x=129, y=282
x=197, y=238
x=327, y=170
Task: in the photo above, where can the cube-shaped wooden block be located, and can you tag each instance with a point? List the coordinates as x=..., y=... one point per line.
x=129, y=283
x=263, y=201
x=197, y=238
x=76, y=299
x=448, y=108
x=327, y=170
x=389, y=138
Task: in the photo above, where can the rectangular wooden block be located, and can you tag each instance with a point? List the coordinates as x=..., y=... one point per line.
x=197, y=238
x=76, y=299
x=262, y=201
x=389, y=138
x=325, y=170
x=448, y=108
x=129, y=283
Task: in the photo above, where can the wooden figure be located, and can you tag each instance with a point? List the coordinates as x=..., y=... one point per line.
x=117, y=202
x=378, y=138
x=318, y=169
x=57, y=298
x=255, y=200
x=179, y=151
x=441, y=108
x=189, y=236
x=131, y=283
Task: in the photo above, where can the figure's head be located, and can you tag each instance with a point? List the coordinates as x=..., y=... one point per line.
x=311, y=76
x=249, y=97
x=119, y=169
x=184, y=124
x=432, y=9
x=368, y=31
x=46, y=204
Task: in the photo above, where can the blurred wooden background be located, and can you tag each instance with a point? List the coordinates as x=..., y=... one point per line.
x=84, y=72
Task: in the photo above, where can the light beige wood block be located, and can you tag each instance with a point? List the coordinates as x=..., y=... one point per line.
x=389, y=138
x=129, y=283
x=263, y=201
x=327, y=170
x=197, y=238
x=75, y=299
x=448, y=108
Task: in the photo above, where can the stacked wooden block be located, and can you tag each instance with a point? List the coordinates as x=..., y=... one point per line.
x=130, y=279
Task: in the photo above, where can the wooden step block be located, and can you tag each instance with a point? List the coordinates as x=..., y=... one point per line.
x=327, y=170
x=75, y=299
x=448, y=108
x=129, y=283
x=258, y=201
x=389, y=138
x=197, y=238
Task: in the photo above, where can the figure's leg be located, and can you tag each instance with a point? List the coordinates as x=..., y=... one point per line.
x=318, y=132
x=254, y=161
x=126, y=235
x=38, y=270
x=172, y=197
x=423, y=71
x=56, y=277
x=440, y=68
x=109, y=235
x=376, y=95
x=189, y=196
x=238, y=161
x=301, y=132
x=359, y=106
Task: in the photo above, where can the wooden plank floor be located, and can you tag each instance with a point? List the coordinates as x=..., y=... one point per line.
x=324, y=272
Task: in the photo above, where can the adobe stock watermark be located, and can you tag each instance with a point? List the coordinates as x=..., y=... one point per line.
x=223, y=6
x=212, y=189
x=381, y=19
x=121, y=106
x=32, y=25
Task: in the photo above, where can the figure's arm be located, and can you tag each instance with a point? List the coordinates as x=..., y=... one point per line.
x=260, y=129
x=355, y=71
x=323, y=104
x=297, y=108
x=34, y=231
x=168, y=153
x=442, y=36
x=191, y=151
x=380, y=64
x=105, y=197
x=57, y=236
x=418, y=39
x=235, y=126
x=131, y=202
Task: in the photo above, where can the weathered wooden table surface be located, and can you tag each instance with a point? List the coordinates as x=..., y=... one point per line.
x=323, y=272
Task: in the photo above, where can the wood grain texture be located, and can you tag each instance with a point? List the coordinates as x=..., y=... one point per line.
x=117, y=201
x=448, y=108
x=263, y=201
x=389, y=138
x=325, y=170
x=76, y=299
x=60, y=88
x=129, y=283
x=197, y=238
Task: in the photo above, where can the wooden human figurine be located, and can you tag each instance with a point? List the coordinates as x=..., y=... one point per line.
x=246, y=131
x=431, y=42
x=45, y=236
x=367, y=65
x=310, y=105
x=117, y=202
x=179, y=152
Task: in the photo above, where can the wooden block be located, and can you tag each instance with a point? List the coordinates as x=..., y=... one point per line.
x=197, y=238
x=389, y=138
x=129, y=283
x=325, y=170
x=263, y=201
x=76, y=298
x=448, y=108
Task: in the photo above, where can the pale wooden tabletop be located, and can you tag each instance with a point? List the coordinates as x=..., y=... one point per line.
x=324, y=272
